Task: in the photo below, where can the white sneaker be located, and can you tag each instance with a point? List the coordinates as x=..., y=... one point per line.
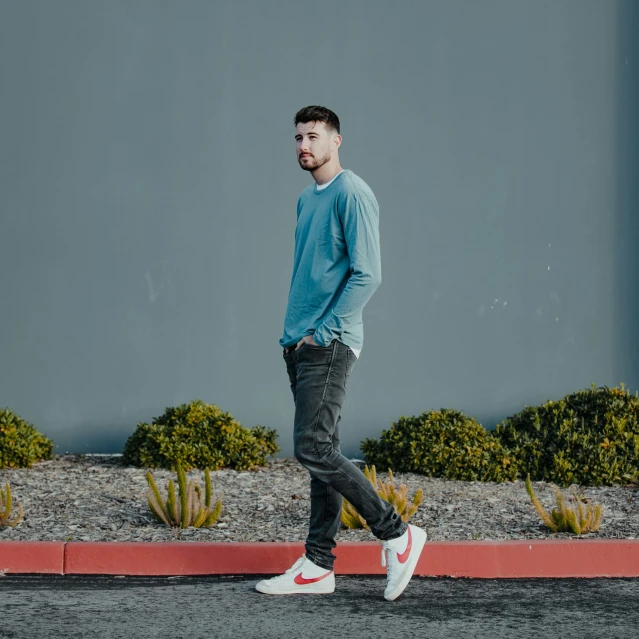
x=400, y=557
x=303, y=576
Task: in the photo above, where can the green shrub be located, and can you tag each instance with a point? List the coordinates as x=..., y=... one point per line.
x=198, y=435
x=590, y=437
x=444, y=443
x=21, y=445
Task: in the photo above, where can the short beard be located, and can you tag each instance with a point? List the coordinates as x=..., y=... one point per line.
x=313, y=166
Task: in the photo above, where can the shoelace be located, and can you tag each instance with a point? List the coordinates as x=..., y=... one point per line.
x=293, y=568
x=386, y=554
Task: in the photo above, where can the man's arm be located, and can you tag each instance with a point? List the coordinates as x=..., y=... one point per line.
x=360, y=221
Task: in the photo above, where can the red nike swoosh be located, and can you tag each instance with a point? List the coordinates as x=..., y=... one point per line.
x=300, y=581
x=403, y=558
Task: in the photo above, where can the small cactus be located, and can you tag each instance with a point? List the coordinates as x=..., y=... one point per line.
x=190, y=509
x=567, y=519
x=397, y=497
x=6, y=503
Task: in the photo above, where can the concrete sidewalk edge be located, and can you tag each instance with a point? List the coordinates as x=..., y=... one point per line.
x=527, y=558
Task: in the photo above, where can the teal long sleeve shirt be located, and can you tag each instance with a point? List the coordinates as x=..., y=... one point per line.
x=336, y=265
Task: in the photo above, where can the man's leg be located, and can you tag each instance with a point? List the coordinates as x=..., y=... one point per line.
x=326, y=502
x=304, y=576
x=326, y=510
x=319, y=389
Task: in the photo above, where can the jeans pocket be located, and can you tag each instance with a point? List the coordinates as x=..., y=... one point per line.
x=318, y=346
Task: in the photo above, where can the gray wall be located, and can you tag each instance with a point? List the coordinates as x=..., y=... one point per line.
x=148, y=183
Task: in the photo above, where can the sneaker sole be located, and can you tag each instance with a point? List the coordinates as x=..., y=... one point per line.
x=300, y=591
x=419, y=539
x=321, y=587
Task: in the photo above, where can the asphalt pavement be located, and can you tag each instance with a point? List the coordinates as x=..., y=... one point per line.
x=74, y=607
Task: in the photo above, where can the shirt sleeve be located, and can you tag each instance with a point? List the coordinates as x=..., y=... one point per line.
x=359, y=215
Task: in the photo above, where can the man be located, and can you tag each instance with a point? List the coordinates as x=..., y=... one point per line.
x=336, y=269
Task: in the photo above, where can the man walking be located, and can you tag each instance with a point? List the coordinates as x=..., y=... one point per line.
x=336, y=269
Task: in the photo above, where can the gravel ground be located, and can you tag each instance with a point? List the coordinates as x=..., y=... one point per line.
x=93, y=498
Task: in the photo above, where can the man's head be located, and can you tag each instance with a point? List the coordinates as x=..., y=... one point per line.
x=317, y=137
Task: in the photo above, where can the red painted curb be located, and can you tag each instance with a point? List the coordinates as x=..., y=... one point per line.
x=478, y=559
x=531, y=558
x=32, y=556
x=179, y=558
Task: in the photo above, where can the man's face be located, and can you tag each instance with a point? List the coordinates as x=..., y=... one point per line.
x=314, y=145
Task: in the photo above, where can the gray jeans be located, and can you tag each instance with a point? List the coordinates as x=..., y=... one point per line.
x=318, y=377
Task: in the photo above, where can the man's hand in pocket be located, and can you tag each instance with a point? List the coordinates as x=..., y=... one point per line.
x=308, y=339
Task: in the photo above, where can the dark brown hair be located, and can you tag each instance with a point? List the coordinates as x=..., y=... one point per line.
x=318, y=114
